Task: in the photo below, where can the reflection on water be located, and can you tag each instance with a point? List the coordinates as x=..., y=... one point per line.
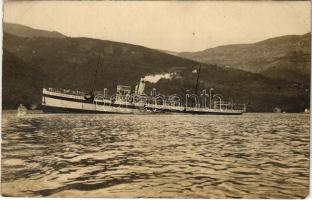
x=64, y=155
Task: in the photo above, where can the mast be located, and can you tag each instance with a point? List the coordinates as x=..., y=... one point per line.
x=95, y=74
x=198, y=73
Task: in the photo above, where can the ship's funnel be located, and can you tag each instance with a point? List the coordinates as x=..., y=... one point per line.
x=141, y=87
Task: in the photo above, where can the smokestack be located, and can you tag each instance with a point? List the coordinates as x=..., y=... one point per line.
x=141, y=86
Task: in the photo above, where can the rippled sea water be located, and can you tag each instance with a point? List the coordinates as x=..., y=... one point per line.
x=181, y=156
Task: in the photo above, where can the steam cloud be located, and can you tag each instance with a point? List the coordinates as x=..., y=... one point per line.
x=156, y=77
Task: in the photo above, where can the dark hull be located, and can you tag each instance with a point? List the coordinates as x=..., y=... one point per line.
x=50, y=109
x=204, y=113
x=211, y=113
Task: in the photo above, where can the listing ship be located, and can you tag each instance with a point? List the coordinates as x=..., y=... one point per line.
x=124, y=101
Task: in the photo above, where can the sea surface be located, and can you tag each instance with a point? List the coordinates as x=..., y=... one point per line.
x=180, y=156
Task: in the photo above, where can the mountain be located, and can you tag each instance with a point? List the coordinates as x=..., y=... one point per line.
x=25, y=31
x=285, y=57
x=31, y=63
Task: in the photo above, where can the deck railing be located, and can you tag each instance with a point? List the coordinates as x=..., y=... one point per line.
x=62, y=93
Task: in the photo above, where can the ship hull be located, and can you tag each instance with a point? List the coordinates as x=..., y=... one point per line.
x=210, y=112
x=52, y=109
x=213, y=113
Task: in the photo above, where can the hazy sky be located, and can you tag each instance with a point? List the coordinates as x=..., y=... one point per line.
x=176, y=26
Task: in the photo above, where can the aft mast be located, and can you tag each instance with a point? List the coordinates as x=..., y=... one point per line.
x=198, y=73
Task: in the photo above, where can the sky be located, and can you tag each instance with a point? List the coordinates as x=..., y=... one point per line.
x=171, y=25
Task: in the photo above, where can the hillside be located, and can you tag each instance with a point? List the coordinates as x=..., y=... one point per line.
x=71, y=63
x=68, y=59
x=25, y=31
x=286, y=57
x=22, y=83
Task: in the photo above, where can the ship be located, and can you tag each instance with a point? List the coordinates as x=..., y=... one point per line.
x=125, y=101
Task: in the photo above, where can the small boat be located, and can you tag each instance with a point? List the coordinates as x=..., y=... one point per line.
x=21, y=110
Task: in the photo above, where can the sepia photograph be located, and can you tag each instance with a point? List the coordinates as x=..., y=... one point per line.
x=156, y=99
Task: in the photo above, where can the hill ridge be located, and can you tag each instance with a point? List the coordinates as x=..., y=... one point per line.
x=26, y=31
x=259, y=57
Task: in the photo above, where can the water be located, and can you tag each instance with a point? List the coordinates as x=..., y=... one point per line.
x=65, y=155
